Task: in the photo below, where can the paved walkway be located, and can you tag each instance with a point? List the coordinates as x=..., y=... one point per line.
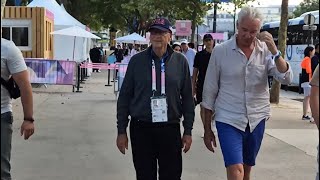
x=76, y=132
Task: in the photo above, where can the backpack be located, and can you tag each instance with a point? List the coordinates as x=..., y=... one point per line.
x=12, y=87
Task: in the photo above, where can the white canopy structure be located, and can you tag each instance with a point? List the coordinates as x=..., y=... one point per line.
x=133, y=38
x=63, y=46
x=75, y=32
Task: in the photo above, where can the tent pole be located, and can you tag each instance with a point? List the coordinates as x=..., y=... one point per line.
x=74, y=44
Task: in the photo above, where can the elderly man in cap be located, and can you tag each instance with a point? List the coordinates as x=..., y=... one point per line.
x=200, y=66
x=189, y=53
x=155, y=104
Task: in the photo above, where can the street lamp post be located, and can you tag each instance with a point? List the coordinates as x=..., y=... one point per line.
x=215, y=8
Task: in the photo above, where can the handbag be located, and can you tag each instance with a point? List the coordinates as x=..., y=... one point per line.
x=12, y=87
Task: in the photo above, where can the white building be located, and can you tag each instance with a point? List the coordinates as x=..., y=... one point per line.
x=273, y=13
x=225, y=21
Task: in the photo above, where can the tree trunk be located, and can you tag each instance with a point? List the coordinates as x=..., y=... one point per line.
x=193, y=25
x=282, y=41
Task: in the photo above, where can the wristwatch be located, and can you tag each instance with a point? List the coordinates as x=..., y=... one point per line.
x=29, y=119
x=277, y=56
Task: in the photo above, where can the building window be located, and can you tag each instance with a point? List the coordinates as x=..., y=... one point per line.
x=6, y=33
x=18, y=31
x=20, y=36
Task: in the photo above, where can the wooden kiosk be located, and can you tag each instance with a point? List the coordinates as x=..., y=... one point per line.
x=29, y=28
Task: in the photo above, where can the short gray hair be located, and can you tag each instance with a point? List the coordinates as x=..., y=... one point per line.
x=250, y=12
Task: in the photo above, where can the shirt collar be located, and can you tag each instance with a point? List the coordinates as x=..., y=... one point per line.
x=234, y=46
x=165, y=56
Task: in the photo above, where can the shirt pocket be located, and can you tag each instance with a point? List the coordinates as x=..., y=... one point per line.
x=258, y=77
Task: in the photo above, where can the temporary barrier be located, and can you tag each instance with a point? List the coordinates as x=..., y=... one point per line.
x=84, y=65
x=45, y=71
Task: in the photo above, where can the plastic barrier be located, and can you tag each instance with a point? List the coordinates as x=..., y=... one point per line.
x=86, y=65
x=46, y=71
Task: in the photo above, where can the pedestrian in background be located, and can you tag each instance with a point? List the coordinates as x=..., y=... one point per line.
x=200, y=66
x=95, y=56
x=189, y=53
x=176, y=48
x=306, y=75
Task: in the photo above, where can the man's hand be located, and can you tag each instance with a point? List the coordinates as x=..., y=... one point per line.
x=186, y=143
x=209, y=140
x=268, y=39
x=194, y=90
x=122, y=143
x=27, y=129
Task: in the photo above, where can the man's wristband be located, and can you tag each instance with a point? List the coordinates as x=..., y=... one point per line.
x=29, y=119
x=277, y=56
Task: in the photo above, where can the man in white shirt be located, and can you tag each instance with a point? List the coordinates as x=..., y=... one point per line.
x=189, y=53
x=13, y=64
x=236, y=92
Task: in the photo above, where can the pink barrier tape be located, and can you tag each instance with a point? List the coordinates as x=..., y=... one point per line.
x=51, y=71
x=99, y=65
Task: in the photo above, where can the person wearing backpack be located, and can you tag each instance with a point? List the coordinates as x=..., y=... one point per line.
x=13, y=70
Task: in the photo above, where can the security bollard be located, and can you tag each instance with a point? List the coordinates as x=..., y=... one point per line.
x=78, y=78
x=108, y=78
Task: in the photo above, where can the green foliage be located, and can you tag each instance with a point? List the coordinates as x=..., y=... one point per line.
x=134, y=15
x=306, y=6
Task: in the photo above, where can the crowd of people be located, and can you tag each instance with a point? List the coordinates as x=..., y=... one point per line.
x=229, y=81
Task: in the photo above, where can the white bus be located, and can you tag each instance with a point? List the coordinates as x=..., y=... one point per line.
x=297, y=40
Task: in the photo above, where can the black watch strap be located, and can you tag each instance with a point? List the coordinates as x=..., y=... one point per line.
x=29, y=119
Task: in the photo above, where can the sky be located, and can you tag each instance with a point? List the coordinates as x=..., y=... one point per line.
x=276, y=2
x=261, y=3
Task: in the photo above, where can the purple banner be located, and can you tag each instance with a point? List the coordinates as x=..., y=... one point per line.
x=51, y=71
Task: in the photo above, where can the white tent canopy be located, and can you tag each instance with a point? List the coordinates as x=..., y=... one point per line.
x=63, y=8
x=76, y=31
x=61, y=17
x=63, y=46
x=133, y=38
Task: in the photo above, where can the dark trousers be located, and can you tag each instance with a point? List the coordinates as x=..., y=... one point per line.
x=6, y=137
x=156, y=145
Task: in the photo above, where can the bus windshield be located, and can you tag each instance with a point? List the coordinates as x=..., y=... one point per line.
x=297, y=40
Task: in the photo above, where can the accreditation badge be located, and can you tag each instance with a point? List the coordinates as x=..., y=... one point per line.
x=159, y=109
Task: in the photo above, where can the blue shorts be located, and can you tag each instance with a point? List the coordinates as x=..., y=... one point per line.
x=240, y=147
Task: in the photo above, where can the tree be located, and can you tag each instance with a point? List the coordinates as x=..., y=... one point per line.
x=282, y=41
x=238, y=4
x=306, y=6
x=134, y=15
x=193, y=10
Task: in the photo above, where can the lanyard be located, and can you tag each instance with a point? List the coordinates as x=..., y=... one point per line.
x=154, y=79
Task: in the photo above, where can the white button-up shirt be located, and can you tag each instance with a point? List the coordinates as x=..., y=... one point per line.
x=237, y=88
x=190, y=54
